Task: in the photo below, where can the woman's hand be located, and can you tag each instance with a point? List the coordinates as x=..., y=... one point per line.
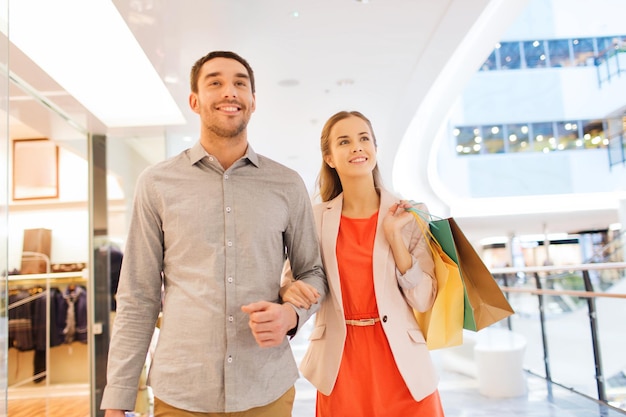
x=300, y=294
x=396, y=218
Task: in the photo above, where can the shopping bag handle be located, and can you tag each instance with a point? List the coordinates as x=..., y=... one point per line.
x=427, y=217
x=424, y=227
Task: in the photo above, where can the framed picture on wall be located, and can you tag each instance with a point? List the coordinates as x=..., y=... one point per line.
x=35, y=169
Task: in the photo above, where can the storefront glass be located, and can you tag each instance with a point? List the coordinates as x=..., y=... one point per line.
x=45, y=242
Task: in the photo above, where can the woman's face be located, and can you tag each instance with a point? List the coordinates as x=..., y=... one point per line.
x=352, y=148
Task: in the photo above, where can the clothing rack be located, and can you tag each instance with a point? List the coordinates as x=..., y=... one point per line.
x=46, y=281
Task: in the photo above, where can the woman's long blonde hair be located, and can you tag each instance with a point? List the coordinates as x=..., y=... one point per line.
x=328, y=181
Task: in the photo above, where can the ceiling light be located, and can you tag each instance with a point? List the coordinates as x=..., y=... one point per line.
x=288, y=82
x=345, y=81
x=88, y=49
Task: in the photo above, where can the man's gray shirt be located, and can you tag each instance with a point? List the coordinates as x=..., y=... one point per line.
x=217, y=240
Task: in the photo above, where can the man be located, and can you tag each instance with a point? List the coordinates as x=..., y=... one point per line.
x=214, y=224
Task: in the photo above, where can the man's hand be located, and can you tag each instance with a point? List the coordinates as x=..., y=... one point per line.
x=300, y=294
x=270, y=322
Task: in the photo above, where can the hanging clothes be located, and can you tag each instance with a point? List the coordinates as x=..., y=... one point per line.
x=75, y=328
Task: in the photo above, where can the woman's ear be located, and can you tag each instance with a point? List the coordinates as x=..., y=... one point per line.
x=329, y=161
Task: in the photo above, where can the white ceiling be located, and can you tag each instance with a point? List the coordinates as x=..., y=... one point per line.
x=311, y=59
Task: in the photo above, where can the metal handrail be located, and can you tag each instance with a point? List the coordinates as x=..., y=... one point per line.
x=588, y=293
x=560, y=268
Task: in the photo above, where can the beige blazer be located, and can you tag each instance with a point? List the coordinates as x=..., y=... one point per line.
x=395, y=296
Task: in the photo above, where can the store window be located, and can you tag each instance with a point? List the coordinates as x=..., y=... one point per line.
x=559, y=53
x=494, y=139
x=468, y=140
x=594, y=135
x=583, y=52
x=535, y=54
x=543, y=137
x=518, y=138
x=567, y=136
x=510, y=55
x=490, y=63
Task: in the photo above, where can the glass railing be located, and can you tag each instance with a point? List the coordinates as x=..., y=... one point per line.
x=574, y=320
x=617, y=149
x=610, y=64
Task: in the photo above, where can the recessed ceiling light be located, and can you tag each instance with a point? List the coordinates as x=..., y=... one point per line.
x=345, y=81
x=290, y=82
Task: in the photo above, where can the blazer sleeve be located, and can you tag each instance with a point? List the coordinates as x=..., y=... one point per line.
x=418, y=283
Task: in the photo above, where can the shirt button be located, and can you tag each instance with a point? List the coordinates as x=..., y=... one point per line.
x=225, y=176
x=228, y=209
x=230, y=243
x=230, y=279
x=211, y=158
x=230, y=318
x=230, y=359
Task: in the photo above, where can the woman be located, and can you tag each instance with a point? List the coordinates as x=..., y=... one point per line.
x=367, y=355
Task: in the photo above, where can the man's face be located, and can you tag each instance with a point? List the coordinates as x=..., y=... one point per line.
x=224, y=99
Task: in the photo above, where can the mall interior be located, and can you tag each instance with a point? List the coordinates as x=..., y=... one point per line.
x=506, y=115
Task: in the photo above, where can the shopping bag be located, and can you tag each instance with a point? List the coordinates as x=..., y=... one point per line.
x=485, y=303
x=442, y=325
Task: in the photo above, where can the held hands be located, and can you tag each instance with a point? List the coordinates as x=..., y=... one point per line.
x=300, y=294
x=270, y=322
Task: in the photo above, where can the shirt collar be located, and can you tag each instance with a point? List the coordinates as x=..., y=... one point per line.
x=197, y=152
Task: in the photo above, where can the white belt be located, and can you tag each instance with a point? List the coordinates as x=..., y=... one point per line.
x=363, y=322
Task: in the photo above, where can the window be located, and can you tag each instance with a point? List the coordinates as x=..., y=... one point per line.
x=543, y=137
x=518, y=138
x=494, y=139
x=583, y=52
x=468, y=140
x=593, y=134
x=490, y=62
x=559, y=53
x=567, y=136
x=531, y=137
x=535, y=54
x=509, y=55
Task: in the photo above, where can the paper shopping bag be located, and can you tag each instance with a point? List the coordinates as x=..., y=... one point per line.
x=442, y=325
x=485, y=303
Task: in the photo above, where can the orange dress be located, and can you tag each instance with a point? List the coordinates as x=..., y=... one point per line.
x=369, y=383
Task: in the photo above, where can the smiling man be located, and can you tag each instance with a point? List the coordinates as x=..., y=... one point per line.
x=213, y=226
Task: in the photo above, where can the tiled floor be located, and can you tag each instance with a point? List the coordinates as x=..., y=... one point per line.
x=461, y=398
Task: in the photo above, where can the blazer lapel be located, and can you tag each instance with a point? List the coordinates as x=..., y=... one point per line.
x=382, y=255
x=330, y=219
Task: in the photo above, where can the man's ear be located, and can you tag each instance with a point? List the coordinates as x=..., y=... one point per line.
x=193, y=102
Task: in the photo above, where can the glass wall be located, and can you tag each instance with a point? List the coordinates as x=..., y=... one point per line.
x=45, y=254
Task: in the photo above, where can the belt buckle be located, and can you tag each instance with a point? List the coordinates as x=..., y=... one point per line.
x=367, y=322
